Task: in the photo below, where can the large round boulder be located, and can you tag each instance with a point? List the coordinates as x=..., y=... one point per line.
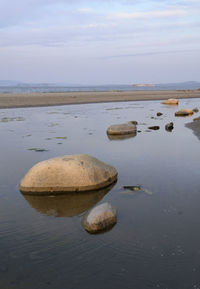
x=122, y=129
x=170, y=101
x=100, y=218
x=70, y=173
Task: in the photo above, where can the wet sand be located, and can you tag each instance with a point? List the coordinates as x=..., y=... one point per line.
x=195, y=127
x=9, y=100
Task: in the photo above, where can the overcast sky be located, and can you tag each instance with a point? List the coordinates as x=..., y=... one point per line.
x=100, y=42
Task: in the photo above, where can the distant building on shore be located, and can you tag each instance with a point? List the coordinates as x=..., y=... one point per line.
x=144, y=85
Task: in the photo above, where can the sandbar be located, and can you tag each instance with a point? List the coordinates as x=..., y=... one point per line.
x=15, y=100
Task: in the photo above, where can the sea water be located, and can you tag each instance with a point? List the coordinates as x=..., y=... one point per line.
x=156, y=241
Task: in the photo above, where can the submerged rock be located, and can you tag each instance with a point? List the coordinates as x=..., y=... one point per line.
x=159, y=113
x=70, y=173
x=100, y=218
x=184, y=112
x=171, y=101
x=169, y=126
x=122, y=129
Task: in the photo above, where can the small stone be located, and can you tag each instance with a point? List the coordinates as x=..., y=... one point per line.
x=169, y=126
x=100, y=218
x=184, y=112
x=171, y=101
x=195, y=109
x=121, y=129
x=154, y=127
x=159, y=113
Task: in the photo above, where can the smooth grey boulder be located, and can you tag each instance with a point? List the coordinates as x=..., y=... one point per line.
x=100, y=218
x=122, y=129
x=70, y=173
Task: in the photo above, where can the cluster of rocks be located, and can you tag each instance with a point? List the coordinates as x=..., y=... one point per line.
x=74, y=173
x=80, y=174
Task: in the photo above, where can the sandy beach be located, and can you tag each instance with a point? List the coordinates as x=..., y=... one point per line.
x=63, y=98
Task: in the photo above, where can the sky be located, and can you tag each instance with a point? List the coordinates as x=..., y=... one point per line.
x=100, y=42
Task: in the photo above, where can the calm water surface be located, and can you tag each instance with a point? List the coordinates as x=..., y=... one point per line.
x=156, y=241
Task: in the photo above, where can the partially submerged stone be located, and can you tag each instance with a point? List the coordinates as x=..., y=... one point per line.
x=70, y=173
x=154, y=127
x=122, y=129
x=159, y=113
x=184, y=112
x=169, y=126
x=170, y=101
x=100, y=218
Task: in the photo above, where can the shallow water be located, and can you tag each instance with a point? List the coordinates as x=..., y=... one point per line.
x=156, y=241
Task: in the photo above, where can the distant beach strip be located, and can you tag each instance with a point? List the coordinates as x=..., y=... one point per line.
x=10, y=100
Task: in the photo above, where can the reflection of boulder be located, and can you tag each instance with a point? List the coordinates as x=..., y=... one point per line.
x=70, y=173
x=121, y=137
x=67, y=205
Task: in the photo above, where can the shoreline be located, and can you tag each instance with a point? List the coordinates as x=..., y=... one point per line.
x=10, y=100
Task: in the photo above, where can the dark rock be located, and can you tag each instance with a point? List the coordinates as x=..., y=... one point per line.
x=169, y=126
x=154, y=127
x=159, y=113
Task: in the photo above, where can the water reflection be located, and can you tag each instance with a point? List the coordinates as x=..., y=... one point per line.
x=68, y=205
x=122, y=137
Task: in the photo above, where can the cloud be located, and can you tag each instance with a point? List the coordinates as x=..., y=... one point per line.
x=149, y=14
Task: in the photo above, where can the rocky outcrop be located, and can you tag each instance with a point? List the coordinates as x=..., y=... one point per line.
x=122, y=129
x=171, y=101
x=70, y=173
x=184, y=112
x=100, y=218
